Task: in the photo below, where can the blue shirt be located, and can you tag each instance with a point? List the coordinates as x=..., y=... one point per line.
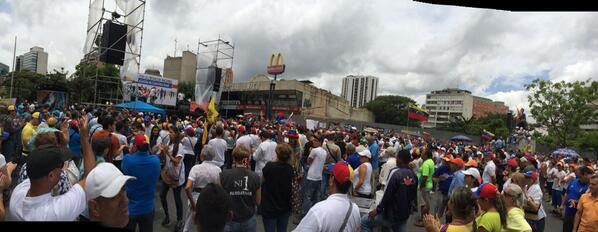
x=75, y=142
x=374, y=151
x=458, y=181
x=146, y=168
x=444, y=185
x=574, y=192
x=353, y=160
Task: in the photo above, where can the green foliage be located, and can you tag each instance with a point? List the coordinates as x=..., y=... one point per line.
x=391, y=110
x=562, y=107
x=494, y=123
x=187, y=88
x=587, y=141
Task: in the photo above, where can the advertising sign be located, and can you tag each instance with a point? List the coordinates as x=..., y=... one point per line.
x=55, y=99
x=151, y=89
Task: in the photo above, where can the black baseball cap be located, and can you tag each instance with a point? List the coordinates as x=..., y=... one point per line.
x=44, y=159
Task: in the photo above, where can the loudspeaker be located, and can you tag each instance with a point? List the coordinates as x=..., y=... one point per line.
x=510, y=121
x=217, y=79
x=113, y=43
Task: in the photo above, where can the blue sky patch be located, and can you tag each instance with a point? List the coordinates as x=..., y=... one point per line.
x=4, y=6
x=506, y=83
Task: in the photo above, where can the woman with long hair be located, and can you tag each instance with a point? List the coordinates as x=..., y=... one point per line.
x=514, y=200
x=154, y=136
x=277, y=190
x=462, y=206
x=295, y=159
x=174, y=176
x=492, y=204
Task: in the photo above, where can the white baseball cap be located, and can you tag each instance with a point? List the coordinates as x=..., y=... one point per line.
x=365, y=153
x=473, y=172
x=360, y=148
x=105, y=180
x=2, y=161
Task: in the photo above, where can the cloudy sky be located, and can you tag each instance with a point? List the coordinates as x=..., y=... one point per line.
x=412, y=47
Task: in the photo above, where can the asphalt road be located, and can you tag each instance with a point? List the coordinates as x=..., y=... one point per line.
x=553, y=224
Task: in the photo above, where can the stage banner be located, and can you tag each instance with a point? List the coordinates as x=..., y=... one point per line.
x=57, y=100
x=151, y=89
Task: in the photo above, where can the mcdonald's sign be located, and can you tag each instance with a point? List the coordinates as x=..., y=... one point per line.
x=276, y=65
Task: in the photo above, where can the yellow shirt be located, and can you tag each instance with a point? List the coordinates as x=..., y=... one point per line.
x=459, y=228
x=516, y=221
x=29, y=130
x=588, y=207
x=489, y=221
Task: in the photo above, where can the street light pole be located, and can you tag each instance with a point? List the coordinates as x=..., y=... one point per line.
x=272, y=88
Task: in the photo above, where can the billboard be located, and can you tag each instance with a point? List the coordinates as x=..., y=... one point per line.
x=55, y=99
x=151, y=89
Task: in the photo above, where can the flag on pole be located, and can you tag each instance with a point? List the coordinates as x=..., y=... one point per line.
x=206, y=130
x=212, y=112
x=415, y=112
x=487, y=135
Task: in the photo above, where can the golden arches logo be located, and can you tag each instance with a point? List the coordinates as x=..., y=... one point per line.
x=276, y=64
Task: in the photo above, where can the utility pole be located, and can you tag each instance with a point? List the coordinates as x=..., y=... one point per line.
x=14, y=61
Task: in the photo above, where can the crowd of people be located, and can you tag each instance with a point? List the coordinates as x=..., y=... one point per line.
x=106, y=165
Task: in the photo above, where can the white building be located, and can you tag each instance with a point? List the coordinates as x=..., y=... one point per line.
x=359, y=90
x=448, y=103
x=36, y=60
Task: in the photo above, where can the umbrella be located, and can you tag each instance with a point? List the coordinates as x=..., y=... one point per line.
x=567, y=152
x=461, y=138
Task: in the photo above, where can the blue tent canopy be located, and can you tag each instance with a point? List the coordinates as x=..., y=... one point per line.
x=141, y=107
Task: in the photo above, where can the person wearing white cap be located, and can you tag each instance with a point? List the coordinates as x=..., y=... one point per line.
x=363, y=176
x=472, y=178
x=106, y=196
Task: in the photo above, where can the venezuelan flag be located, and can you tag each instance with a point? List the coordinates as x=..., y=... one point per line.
x=415, y=112
x=487, y=135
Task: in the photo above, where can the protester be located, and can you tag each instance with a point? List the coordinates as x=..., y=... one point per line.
x=491, y=203
x=200, y=176
x=337, y=212
x=108, y=128
x=315, y=160
x=443, y=175
x=363, y=176
x=457, y=164
x=213, y=209
x=188, y=149
x=353, y=155
x=145, y=167
x=29, y=130
x=219, y=145
x=31, y=200
x=390, y=164
x=276, y=191
x=401, y=185
x=556, y=174
x=5, y=181
x=333, y=155
x=514, y=200
x=265, y=152
x=426, y=171
x=245, y=196
x=472, y=178
x=489, y=174
x=173, y=177
x=586, y=218
x=461, y=205
x=576, y=188
x=106, y=196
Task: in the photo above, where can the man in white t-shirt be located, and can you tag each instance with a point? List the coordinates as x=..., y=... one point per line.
x=265, y=152
x=219, y=145
x=489, y=175
x=533, y=201
x=557, y=188
x=337, y=212
x=32, y=200
x=315, y=160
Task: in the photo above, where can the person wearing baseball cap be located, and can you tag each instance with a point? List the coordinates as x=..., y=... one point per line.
x=456, y=165
x=363, y=175
x=471, y=163
x=557, y=188
x=534, y=200
x=337, y=212
x=28, y=131
x=106, y=195
x=145, y=167
x=489, y=174
x=472, y=178
x=31, y=200
x=492, y=204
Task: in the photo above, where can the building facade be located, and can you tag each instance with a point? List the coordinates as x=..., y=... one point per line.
x=290, y=96
x=450, y=103
x=359, y=90
x=182, y=68
x=484, y=106
x=36, y=60
x=4, y=69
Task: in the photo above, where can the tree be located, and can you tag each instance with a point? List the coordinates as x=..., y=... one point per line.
x=188, y=89
x=81, y=84
x=391, y=109
x=25, y=84
x=562, y=107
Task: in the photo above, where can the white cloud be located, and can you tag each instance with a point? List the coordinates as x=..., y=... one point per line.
x=412, y=47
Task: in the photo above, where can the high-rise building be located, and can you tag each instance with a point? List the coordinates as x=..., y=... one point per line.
x=36, y=60
x=450, y=103
x=359, y=90
x=4, y=69
x=182, y=68
x=228, y=76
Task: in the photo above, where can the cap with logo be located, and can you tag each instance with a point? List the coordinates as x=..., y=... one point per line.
x=105, y=180
x=487, y=191
x=342, y=172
